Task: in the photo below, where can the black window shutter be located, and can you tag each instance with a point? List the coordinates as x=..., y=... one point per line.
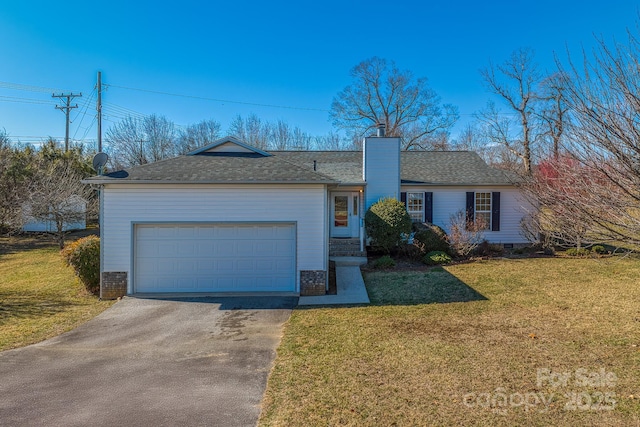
x=495, y=211
x=471, y=201
x=428, y=206
x=403, y=198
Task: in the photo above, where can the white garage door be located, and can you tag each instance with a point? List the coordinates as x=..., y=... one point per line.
x=215, y=258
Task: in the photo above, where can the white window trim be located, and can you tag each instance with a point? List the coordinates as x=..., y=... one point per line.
x=488, y=226
x=411, y=212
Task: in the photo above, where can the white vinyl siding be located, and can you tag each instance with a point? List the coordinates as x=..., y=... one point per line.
x=381, y=169
x=303, y=205
x=449, y=200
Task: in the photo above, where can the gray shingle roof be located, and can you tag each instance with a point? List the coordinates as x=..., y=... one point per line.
x=417, y=167
x=332, y=167
x=342, y=166
x=213, y=169
x=449, y=168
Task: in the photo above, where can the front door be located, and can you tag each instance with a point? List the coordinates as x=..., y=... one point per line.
x=345, y=214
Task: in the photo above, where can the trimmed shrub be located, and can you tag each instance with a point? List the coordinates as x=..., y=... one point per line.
x=599, y=249
x=384, y=262
x=84, y=256
x=577, y=252
x=436, y=258
x=430, y=237
x=385, y=222
x=489, y=249
x=411, y=251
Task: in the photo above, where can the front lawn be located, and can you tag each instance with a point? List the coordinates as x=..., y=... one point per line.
x=545, y=341
x=40, y=297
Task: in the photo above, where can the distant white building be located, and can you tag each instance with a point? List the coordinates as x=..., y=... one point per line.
x=77, y=219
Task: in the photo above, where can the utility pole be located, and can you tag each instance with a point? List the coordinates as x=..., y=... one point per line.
x=99, y=110
x=66, y=108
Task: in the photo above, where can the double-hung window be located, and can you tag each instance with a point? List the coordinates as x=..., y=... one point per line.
x=415, y=206
x=483, y=210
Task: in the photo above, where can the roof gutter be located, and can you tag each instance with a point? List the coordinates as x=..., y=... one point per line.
x=173, y=182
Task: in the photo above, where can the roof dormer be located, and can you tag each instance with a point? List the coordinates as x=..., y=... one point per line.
x=228, y=145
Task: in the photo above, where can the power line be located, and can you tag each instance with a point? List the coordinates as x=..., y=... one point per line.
x=82, y=110
x=219, y=100
x=123, y=112
x=26, y=100
x=30, y=88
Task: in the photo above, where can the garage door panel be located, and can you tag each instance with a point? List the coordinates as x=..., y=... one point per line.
x=266, y=247
x=245, y=247
x=186, y=267
x=205, y=233
x=285, y=233
x=166, y=232
x=186, y=232
x=167, y=249
x=282, y=246
x=215, y=258
x=203, y=246
x=265, y=232
x=225, y=232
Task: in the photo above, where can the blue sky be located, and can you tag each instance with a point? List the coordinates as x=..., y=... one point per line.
x=293, y=54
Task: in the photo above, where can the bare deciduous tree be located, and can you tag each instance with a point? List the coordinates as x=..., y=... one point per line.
x=381, y=93
x=514, y=82
x=465, y=234
x=56, y=195
x=603, y=99
x=554, y=112
x=266, y=135
x=285, y=137
x=564, y=203
x=198, y=135
x=470, y=138
x=136, y=141
x=251, y=130
x=331, y=141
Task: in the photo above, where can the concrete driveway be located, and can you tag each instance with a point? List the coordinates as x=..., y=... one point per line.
x=149, y=362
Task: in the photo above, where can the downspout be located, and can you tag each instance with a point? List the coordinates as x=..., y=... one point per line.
x=101, y=228
x=361, y=216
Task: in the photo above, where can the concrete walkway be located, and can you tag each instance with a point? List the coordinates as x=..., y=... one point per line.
x=349, y=283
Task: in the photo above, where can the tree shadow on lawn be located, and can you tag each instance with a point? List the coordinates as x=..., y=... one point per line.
x=27, y=241
x=418, y=287
x=14, y=305
x=23, y=243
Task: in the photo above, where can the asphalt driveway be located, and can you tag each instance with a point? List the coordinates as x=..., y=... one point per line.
x=147, y=362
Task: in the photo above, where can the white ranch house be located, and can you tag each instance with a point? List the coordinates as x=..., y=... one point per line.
x=229, y=218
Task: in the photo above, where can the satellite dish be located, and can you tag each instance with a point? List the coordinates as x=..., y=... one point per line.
x=99, y=161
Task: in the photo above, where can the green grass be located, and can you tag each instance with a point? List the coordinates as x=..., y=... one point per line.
x=40, y=297
x=434, y=344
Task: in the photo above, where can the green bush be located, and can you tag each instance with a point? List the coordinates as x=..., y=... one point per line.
x=430, y=237
x=84, y=256
x=436, y=258
x=577, y=252
x=385, y=222
x=599, y=249
x=384, y=262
